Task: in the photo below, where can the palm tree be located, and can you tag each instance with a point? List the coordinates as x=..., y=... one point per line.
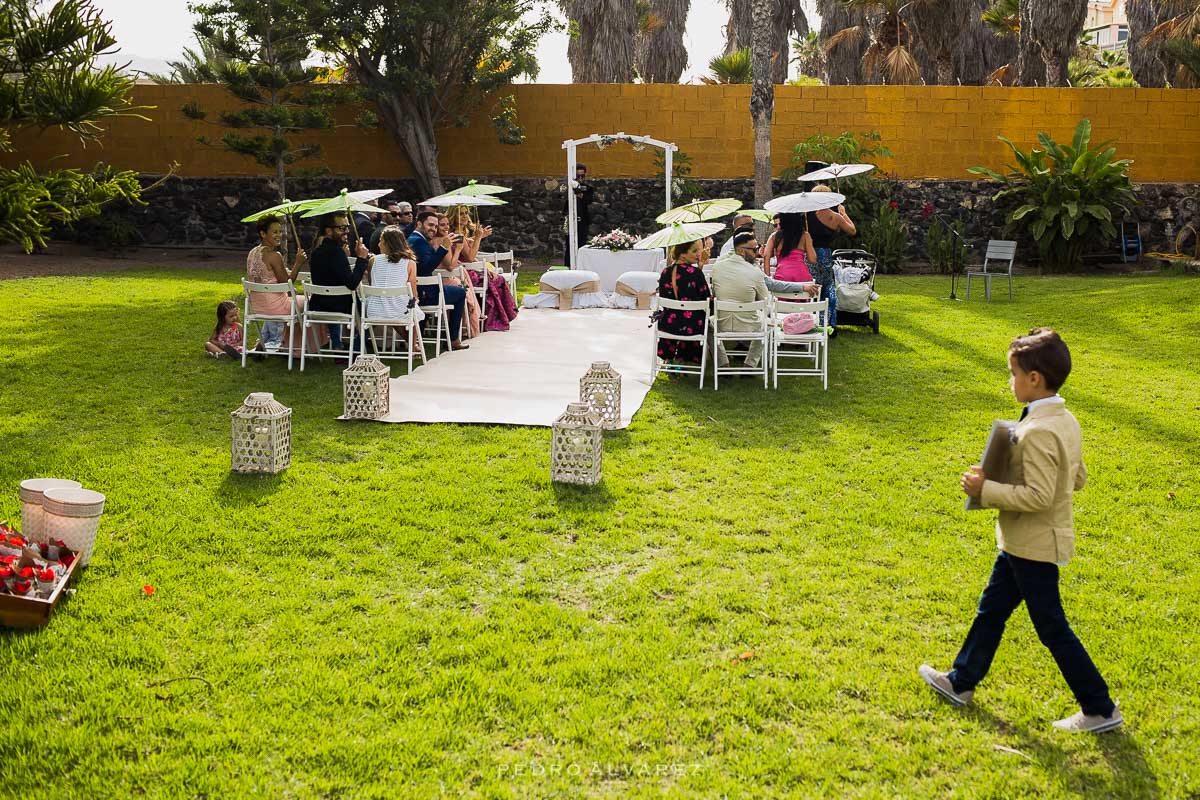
x=762, y=100
x=193, y=66
x=787, y=17
x=843, y=64
x=809, y=54
x=661, y=56
x=1181, y=35
x=890, y=53
x=601, y=47
x=985, y=51
x=732, y=67
x=1031, y=67
x=1055, y=26
x=1145, y=58
x=940, y=24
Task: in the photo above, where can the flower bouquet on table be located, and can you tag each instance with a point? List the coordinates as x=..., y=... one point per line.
x=613, y=240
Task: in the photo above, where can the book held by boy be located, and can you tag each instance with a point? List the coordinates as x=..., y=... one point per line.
x=995, y=456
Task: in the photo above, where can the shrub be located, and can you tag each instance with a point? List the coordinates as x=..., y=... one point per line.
x=886, y=236
x=1066, y=194
x=942, y=247
x=863, y=192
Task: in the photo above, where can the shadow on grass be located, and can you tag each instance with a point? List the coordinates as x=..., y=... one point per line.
x=570, y=497
x=238, y=489
x=1129, y=776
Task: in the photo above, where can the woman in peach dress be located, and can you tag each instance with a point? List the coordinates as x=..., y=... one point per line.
x=264, y=264
x=452, y=275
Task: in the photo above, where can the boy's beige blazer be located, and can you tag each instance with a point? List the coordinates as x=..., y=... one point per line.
x=1045, y=469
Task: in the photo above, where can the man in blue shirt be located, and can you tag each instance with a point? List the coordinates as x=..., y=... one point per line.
x=427, y=247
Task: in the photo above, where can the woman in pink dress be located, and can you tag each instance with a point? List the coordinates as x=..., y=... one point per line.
x=794, y=249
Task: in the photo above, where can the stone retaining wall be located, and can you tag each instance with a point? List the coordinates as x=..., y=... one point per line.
x=205, y=211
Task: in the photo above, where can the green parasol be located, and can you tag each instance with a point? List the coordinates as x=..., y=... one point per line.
x=757, y=214
x=475, y=189
x=700, y=211
x=678, y=233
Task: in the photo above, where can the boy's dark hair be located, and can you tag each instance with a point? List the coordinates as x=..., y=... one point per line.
x=579, y=166
x=265, y=223
x=742, y=236
x=1043, y=351
x=424, y=215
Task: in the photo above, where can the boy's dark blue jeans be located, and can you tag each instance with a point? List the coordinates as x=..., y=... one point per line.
x=1036, y=582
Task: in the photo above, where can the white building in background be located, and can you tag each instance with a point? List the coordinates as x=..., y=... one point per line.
x=1107, y=25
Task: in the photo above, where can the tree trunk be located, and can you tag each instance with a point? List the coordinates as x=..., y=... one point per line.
x=1055, y=25
x=661, y=55
x=762, y=99
x=844, y=64
x=1031, y=69
x=1145, y=61
x=412, y=128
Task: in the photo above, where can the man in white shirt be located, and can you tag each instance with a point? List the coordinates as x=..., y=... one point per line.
x=735, y=278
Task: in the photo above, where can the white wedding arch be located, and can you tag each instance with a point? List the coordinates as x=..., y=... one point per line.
x=602, y=141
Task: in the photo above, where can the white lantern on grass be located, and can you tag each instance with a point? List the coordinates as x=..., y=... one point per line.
x=366, y=388
x=600, y=388
x=576, y=446
x=262, y=435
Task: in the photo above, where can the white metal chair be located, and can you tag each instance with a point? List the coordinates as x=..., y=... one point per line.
x=506, y=265
x=437, y=310
x=666, y=305
x=314, y=317
x=1001, y=251
x=762, y=335
x=388, y=321
x=480, y=291
x=806, y=347
x=289, y=320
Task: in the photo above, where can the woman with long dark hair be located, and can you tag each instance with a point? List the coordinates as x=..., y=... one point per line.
x=795, y=249
x=682, y=279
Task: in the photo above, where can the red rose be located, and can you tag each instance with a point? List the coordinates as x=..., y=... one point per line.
x=67, y=560
x=894, y=205
x=26, y=573
x=45, y=575
x=6, y=573
x=9, y=561
x=927, y=211
x=148, y=589
x=22, y=587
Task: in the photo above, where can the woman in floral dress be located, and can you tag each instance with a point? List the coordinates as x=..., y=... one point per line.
x=682, y=279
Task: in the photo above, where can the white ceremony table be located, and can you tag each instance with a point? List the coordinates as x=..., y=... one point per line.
x=611, y=265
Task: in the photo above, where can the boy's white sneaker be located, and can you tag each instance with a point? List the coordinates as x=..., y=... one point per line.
x=940, y=683
x=1080, y=722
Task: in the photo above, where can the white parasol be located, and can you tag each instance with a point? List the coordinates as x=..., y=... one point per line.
x=447, y=200
x=802, y=202
x=835, y=171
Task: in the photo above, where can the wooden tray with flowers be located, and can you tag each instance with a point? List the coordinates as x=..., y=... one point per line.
x=19, y=610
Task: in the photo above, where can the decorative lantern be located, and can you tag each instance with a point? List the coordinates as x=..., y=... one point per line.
x=73, y=517
x=32, y=515
x=262, y=435
x=576, y=446
x=365, y=388
x=600, y=388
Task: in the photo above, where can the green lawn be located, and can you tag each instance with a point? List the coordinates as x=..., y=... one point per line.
x=415, y=611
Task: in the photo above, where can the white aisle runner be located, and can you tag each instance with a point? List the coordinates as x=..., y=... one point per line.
x=528, y=374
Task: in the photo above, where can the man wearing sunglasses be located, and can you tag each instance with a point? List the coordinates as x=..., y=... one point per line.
x=331, y=267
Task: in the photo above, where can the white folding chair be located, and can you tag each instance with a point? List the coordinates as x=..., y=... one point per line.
x=1003, y=252
x=480, y=291
x=806, y=347
x=506, y=265
x=314, y=317
x=762, y=335
x=388, y=322
x=667, y=305
x=437, y=310
x=289, y=320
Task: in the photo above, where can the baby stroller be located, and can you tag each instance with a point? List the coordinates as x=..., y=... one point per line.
x=854, y=272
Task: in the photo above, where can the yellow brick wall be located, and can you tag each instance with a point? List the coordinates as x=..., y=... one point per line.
x=933, y=131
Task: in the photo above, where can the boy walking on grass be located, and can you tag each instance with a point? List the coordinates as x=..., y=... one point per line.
x=1035, y=535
